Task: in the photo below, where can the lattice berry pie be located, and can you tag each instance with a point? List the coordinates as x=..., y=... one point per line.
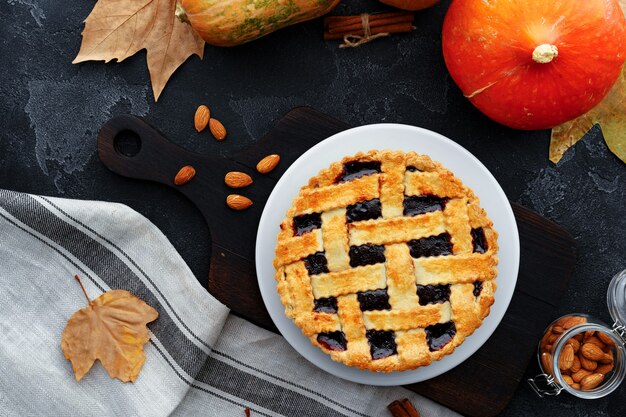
x=386, y=261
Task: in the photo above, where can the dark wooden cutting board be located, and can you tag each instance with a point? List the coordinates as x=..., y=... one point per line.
x=482, y=385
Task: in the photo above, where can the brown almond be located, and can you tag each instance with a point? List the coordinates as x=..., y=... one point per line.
x=544, y=342
x=604, y=369
x=557, y=329
x=566, y=321
x=185, y=175
x=588, y=334
x=238, y=202
x=568, y=380
x=591, y=351
x=595, y=341
x=268, y=163
x=574, y=343
x=608, y=358
x=578, y=376
x=552, y=338
x=566, y=358
x=201, y=118
x=587, y=364
x=549, y=348
x=591, y=381
x=217, y=129
x=605, y=338
x=573, y=321
x=561, y=321
x=236, y=179
x=576, y=386
x=546, y=362
x=578, y=337
x=575, y=365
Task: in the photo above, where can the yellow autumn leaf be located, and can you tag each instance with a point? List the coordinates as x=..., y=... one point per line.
x=112, y=329
x=118, y=29
x=610, y=114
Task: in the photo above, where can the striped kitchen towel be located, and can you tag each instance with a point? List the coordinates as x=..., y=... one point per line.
x=200, y=360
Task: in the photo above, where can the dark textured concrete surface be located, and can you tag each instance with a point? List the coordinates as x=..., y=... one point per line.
x=51, y=110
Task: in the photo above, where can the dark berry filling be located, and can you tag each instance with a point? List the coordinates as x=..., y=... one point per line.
x=420, y=204
x=433, y=294
x=326, y=305
x=354, y=170
x=366, y=255
x=333, y=340
x=364, y=210
x=478, y=288
x=411, y=168
x=439, y=335
x=316, y=263
x=478, y=240
x=382, y=343
x=306, y=223
x=374, y=300
x=431, y=246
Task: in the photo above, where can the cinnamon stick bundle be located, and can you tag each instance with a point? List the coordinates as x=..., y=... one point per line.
x=367, y=25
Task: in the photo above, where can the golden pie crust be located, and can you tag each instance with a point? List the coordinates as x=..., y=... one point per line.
x=386, y=261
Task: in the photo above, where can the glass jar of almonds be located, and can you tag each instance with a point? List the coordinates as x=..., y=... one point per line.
x=581, y=354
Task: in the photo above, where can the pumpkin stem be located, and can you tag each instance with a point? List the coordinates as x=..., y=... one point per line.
x=545, y=53
x=181, y=14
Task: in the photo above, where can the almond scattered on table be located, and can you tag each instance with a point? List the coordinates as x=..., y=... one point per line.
x=238, y=202
x=185, y=175
x=217, y=129
x=201, y=118
x=268, y=163
x=236, y=179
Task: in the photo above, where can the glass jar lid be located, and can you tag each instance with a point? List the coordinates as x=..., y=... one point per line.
x=616, y=300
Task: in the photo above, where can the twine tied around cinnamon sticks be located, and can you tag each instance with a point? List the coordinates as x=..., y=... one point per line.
x=364, y=28
x=352, y=41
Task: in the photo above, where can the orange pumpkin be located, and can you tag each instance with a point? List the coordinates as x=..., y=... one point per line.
x=233, y=22
x=534, y=64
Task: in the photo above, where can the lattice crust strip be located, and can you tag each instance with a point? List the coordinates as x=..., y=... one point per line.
x=386, y=261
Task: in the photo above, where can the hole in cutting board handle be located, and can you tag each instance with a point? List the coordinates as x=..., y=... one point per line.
x=127, y=143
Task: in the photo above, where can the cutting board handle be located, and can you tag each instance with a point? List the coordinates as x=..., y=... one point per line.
x=129, y=146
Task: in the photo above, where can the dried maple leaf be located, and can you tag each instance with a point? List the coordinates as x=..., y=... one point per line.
x=610, y=114
x=112, y=328
x=117, y=29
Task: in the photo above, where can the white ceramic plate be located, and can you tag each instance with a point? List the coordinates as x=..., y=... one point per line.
x=394, y=137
